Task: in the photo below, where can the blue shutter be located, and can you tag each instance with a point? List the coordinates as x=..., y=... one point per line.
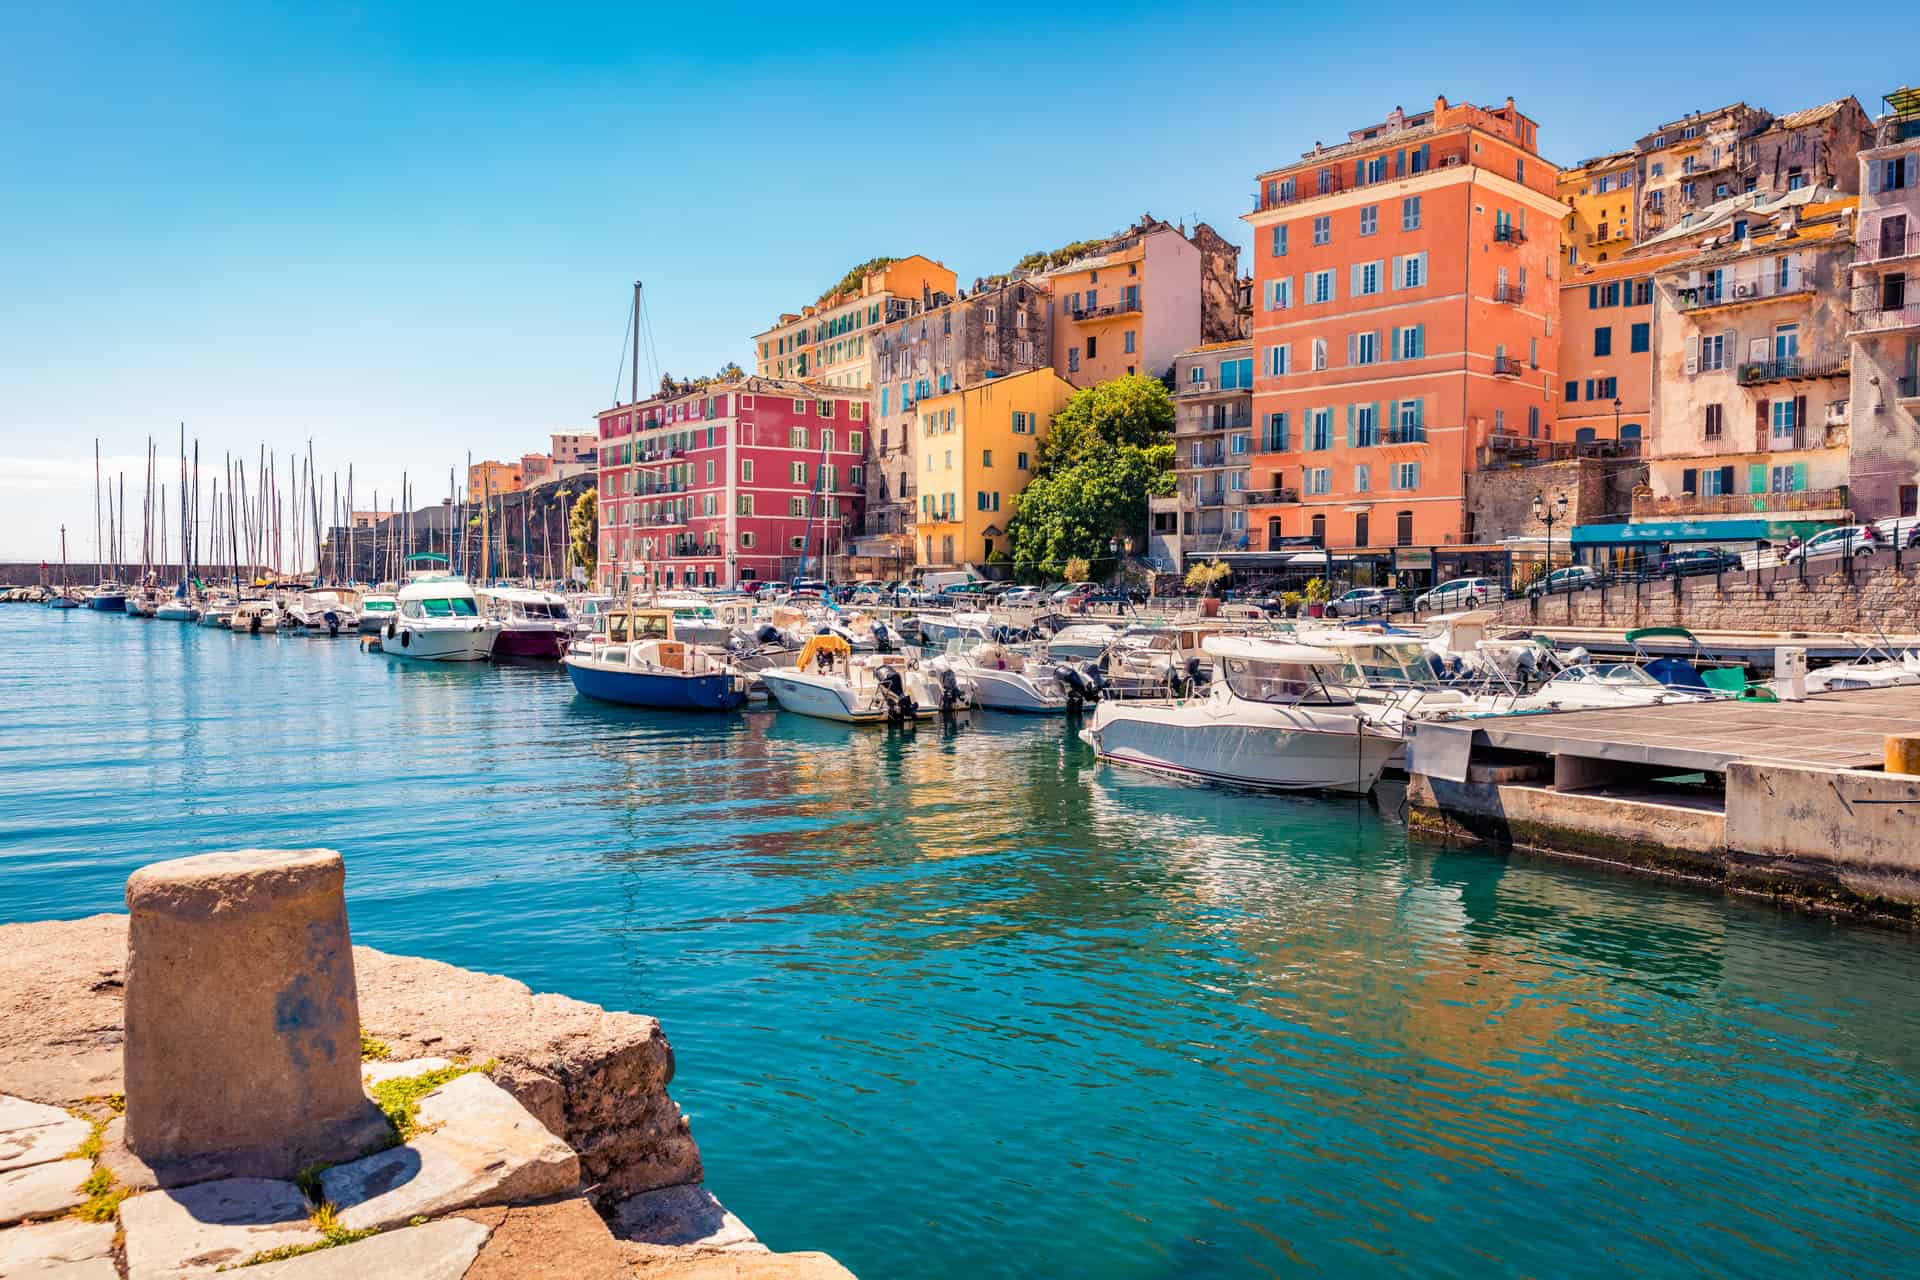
x=1352, y=425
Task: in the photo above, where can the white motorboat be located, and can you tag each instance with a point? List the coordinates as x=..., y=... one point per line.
x=217, y=611
x=375, y=610
x=254, y=617
x=533, y=624
x=143, y=603
x=1005, y=679
x=322, y=611
x=1610, y=684
x=936, y=629
x=1276, y=719
x=177, y=610
x=438, y=620
x=831, y=682
x=1081, y=642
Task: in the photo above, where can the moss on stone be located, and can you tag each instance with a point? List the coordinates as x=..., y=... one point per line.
x=104, y=1194
x=337, y=1236
x=400, y=1098
x=372, y=1048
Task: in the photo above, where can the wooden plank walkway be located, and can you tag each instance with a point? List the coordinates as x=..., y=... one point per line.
x=1844, y=730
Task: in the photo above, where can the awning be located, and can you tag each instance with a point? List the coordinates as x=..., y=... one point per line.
x=1672, y=531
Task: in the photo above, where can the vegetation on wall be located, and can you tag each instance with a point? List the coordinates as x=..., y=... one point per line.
x=583, y=527
x=851, y=281
x=1048, y=260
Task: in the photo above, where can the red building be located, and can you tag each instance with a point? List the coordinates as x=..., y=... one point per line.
x=732, y=483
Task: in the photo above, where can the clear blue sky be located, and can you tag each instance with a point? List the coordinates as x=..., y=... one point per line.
x=408, y=231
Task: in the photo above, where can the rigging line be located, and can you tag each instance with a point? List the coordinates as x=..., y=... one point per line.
x=620, y=368
x=653, y=352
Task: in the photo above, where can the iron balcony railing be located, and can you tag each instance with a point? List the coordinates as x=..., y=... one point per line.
x=1733, y=504
x=1887, y=248
x=1513, y=293
x=1509, y=234
x=1506, y=367
x=1880, y=319
x=1207, y=460
x=1126, y=305
x=1739, y=291
x=1792, y=369
x=1271, y=497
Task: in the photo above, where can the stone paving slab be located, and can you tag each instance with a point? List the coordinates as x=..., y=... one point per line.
x=437, y=1251
x=33, y=1133
x=42, y=1190
x=683, y=1216
x=480, y=1148
x=191, y=1231
x=65, y=1250
x=558, y=1240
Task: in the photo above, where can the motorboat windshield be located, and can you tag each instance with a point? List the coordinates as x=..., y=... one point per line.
x=441, y=607
x=1287, y=683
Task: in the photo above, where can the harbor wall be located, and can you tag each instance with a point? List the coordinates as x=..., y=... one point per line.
x=1850, y=829
x=1775, y=600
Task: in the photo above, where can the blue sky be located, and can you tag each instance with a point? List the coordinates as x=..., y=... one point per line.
x=411, y=231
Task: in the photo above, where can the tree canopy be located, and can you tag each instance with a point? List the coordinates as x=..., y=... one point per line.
x=583, y=528
x=1107, y=451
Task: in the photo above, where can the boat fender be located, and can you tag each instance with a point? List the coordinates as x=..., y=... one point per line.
x=406, y=638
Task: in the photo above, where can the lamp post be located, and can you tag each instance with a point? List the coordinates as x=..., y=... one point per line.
x=1616, y=418
x=1549, y=514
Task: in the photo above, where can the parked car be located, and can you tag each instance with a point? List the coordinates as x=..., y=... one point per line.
x=1573, y=578
x=1699, y=560
x=1848, y=540
x=1460, y=593
x=1365, y=602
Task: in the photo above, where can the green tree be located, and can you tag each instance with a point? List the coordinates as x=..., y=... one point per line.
x=1106, y=452
x=583, y=527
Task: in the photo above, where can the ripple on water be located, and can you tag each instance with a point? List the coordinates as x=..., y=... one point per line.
x=962, y=1003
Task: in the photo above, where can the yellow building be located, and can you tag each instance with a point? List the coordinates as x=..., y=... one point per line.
x=1599, y=194
x=976, y=449
x=827, y=342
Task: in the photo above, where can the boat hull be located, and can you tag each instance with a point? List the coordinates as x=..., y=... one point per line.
x=544, y=643
x=107, y=603
x=825, y=701
x=1004, y=691
x=662, y=691
x=440, y=644
x=175, y=612
x=1258, y=757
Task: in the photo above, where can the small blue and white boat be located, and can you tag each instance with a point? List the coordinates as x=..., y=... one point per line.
x=108, y=597
x=637, y=662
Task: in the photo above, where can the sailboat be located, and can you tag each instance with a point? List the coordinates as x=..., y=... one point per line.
x=61, y=598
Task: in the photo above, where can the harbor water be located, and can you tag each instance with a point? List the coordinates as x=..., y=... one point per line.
x=961, y=1002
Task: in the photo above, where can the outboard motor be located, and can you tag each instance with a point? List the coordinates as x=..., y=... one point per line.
x=767, y=634
x=333, y=623
x=253, y=624
x=1079, y=689
x=951, y=699
x=882, y=638
x=899, y=702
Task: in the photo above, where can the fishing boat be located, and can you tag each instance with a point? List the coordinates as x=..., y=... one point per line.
x=533, y=624
x=640, y=662
x=375, y=610
x=1277, y=719
x=1003, y=678
x=438, y=620
x=61, y=600
x=831, y=683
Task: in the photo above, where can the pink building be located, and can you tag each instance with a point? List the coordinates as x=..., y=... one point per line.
x=728, y=484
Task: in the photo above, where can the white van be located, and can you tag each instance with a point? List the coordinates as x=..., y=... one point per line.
x=933, y=583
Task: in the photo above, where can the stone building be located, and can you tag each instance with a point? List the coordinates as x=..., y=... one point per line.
x=1212, y=452
x=1128, y=303
x=1885, y=323
x=941, y=344
x=1816, y=147
x=827, y=341
x=1685, y=162
x=1751, y=360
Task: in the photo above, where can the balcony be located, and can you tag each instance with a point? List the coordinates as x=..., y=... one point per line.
x=1792, y=369
x=1404, y=435
x=1738, y=504
x=1509, y=234
x=1272, y=497
x=1303, y=188
x=1886, y=248
x=1739, y=293
x=1507, y=367
x=1195, y=389
x=1201, y=460
x=1512, y=294
x=1881, y=319
x=1128, y=305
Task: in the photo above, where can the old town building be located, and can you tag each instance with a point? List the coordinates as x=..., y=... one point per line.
x=827, y=342
x=1212, y=453
x=1885, y=320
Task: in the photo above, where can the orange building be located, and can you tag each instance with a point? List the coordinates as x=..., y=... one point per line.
x=827, y=342
x=1606, y=350
x=485, y=479
x=1405, y=326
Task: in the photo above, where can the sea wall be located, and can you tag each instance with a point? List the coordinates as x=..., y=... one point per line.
x=1771, y=599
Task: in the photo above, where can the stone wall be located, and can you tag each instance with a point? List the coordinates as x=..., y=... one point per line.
x=1599, y=491
x=1769, y=600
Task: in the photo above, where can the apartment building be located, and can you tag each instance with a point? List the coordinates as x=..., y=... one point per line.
x=1212, y=456
x=1884, y=479
x=976, y=449
x=950, y=344
x=1751, y=369
x=1688, y=164
x=1599, y=195
x=741, y=481
x=489, y=478
x=1405, y=325
x=1606, y=352
x=1127, y=304
x=827, y=342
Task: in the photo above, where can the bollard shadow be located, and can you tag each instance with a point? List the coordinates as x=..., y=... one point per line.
x=371, y=1177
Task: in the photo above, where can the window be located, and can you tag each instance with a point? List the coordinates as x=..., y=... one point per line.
x=1362, y=479
x=1276, y=439
x=1403, y=528
x=824, y=408
x=1712, y=351
x=1603, y=341
x=1640, y=338
x=1280, y=294
x=1410, y=214
x=826, y=442
x=1783, y=421
x=1366, y=425
x=1366, y=279
x=1021, y=462
x=986, y=457
x=1023, y=421
x=1073, y=359
x=1363, y=348
x=1280, y=240
x=796, y=506
x=797, y=472
x=1319, y=480
x=799, y=406
x=1320, y=286
x=1319, y=353
x=1323, y=230
x=1406, y=475
x=1319, y=429
x=1410, y=271
x=746, y=470
x=1715, y=423
x=1237, y=442
x=1410, y=343
x=797, y=436
x=1369, y=219
x=746, y=539
x=1410, y=426
x=744, y=505
x=1196, y=374
x=1127, y=340
x=1278, y=359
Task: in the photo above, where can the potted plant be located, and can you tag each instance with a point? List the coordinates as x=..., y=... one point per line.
x=1203, y=576
x=1291, y=601
x=1316, y=597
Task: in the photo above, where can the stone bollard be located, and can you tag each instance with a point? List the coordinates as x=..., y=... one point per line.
x=242, y=1020
x=1903, y=753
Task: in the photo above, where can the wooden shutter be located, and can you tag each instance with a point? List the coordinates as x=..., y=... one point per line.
x=1726, y=478
x=1757, y=477
x=1353, y=348
x=1799, y=419
x=1799, y=477
x=1351, y=424
x=1690, y=481
x=1393, y=281
x=1393, y=352
x=1760, y=424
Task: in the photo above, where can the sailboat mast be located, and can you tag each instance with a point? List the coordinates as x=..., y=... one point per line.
x=99, y=547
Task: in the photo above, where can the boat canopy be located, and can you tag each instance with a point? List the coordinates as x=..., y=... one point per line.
x=817, y=645
x=1257, y=650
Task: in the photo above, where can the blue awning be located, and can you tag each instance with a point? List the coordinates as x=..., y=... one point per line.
x=1672, y=531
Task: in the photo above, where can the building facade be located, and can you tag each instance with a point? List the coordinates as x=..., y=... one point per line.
x=1600, y=200
x=1001, y=329
x=1606, y=351
x=1885, y=321
x=827, y=342
x=1129, y=303
x=488, y=478
x=1689, y=163
x=1404, y=326
x=976, y=449
x=745, y=481
x=1751, y=374
x=1212, y=455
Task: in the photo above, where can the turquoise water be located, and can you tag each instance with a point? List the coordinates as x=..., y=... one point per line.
x=966, y=1004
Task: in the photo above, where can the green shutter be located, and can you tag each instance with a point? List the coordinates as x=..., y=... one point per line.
x=1352, y=418
x=1392, y=420
x=1799, y=477
x=1379, y=424
x=1756, y=477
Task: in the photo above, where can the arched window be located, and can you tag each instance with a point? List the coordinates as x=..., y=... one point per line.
x=1583, y=436
x=1273, y=531
x=1319, y=531
x=1629, y=431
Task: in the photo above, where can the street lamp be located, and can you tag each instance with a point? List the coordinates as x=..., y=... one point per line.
x=1616, y=418
x=1549, y=514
